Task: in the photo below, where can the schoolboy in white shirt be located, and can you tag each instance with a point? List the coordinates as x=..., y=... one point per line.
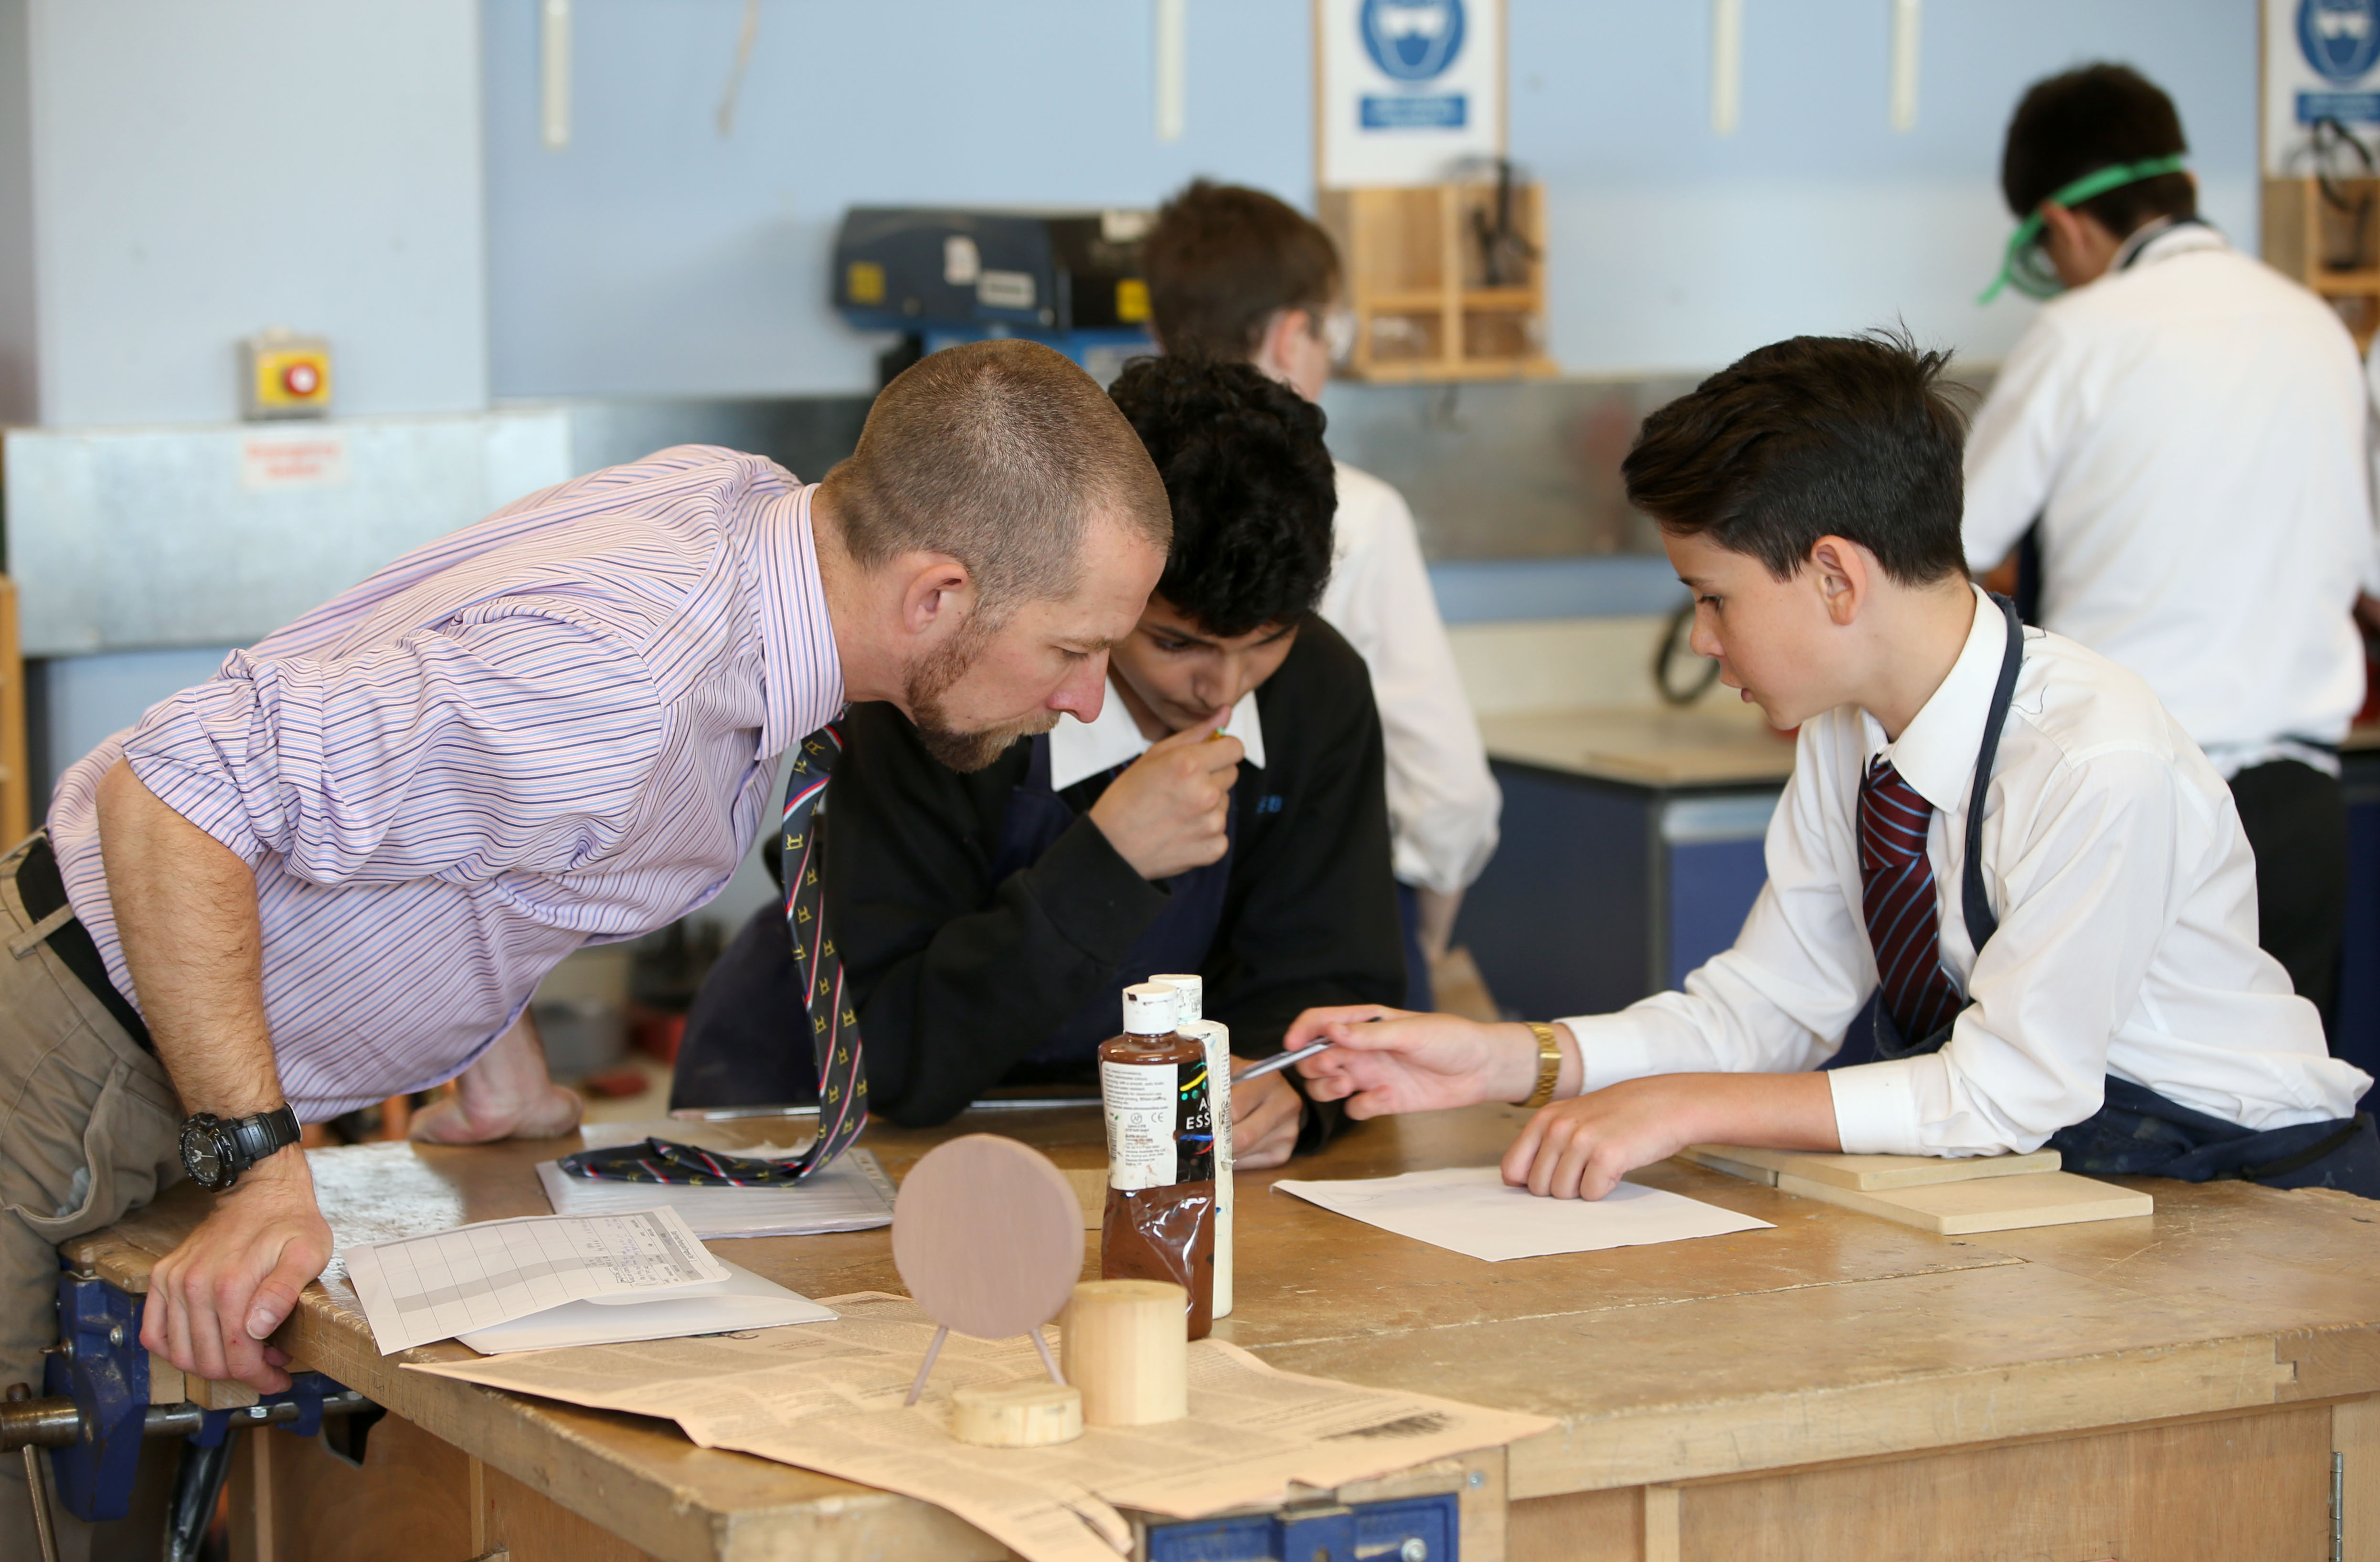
x=1242, y=276
x=2178, y=436
x=2064, y=955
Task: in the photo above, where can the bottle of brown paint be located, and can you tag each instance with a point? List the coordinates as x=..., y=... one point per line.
x=1160, y=1213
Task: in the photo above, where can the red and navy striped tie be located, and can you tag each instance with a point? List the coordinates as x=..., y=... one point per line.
x=1897, y=894
x=833, y=1023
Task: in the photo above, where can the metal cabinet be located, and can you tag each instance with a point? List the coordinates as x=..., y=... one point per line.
x=1605, y=892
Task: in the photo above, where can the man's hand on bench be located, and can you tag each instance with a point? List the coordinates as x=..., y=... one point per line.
x=213, y=1299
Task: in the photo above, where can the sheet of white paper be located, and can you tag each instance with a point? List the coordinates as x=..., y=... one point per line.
x=743, y=1302
x=419, y=1289
x=853, y=1194
x=1469, y=1210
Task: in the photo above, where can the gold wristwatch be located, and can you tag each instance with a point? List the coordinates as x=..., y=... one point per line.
x=1549, y=1063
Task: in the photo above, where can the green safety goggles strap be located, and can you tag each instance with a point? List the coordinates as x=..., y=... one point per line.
x=2020, y=264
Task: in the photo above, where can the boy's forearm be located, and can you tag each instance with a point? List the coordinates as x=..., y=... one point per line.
x=1765, y=1111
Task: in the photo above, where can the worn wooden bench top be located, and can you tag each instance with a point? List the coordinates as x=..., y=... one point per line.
x=1833, y=1336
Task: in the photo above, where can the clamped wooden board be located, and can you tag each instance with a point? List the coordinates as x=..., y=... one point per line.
x=1947, y=1197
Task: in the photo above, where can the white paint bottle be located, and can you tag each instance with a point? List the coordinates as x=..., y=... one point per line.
x=1190, y=1020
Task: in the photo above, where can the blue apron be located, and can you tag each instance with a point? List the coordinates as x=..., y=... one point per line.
x=2137, y=1131
x=1178, y=940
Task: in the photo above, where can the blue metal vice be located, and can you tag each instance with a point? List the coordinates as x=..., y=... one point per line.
x=95, y=1416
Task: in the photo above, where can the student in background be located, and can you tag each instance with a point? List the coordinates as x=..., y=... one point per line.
x=1223, y=812
x=1998, y=833
x=1239, y=276
x=2179, y=439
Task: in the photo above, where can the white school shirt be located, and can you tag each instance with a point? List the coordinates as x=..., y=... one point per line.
x=2127, y=901
x=1443, y=803
x=1079, y=749
x=2191, y=429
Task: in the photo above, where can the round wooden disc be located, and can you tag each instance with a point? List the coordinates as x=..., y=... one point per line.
x=988, y=1236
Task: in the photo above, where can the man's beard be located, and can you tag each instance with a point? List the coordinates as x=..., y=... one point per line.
x=961, y=751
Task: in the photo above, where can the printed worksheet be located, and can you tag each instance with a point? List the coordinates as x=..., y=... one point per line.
x=421, y=1288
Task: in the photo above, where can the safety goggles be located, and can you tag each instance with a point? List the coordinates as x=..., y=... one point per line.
x=1338, y=335
x=2025, y=265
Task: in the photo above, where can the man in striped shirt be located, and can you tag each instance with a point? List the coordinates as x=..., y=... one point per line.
x=337, y=871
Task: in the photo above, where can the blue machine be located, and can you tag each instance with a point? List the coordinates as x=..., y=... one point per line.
x=942, y=275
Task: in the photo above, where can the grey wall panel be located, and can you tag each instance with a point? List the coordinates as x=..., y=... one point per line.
x=124, y=540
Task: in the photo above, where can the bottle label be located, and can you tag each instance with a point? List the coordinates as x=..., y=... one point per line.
x=1160, y=1126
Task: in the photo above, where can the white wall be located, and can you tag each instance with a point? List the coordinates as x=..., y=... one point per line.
x=654, y=257
x=202, y=170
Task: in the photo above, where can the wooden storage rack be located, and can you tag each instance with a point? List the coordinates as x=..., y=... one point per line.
x=2335, y=252
x=1416, y=282
x=16, y=776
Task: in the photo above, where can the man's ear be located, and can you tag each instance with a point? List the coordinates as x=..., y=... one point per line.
x=937, y=593
x=1843, y=574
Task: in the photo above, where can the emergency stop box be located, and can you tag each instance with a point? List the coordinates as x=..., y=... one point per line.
x=283, y=374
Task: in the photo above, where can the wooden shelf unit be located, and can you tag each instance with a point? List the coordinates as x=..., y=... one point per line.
x=1416, y=281
x=2313, y=241
x=15, y=775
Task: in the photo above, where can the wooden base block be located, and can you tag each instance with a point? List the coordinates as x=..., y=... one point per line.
x=1016, y=1415
x=1991, y=1203
x=1868, y=1173
x=1126, y=1346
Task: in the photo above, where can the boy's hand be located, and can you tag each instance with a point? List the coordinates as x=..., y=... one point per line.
x=1386, y=1061
x=1165, y=815
x=1578, y=1148
x=1266, y=1115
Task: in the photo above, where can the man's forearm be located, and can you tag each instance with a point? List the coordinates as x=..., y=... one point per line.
x=186, y=913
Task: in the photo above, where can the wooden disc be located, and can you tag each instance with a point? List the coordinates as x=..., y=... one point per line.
x=1029, y=1414
x=988, y=1236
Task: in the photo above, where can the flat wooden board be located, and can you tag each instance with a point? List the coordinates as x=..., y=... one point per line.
x=1872, y=1173
x=1990, y=1204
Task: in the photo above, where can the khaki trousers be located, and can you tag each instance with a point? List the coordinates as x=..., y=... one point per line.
x=89, y=1128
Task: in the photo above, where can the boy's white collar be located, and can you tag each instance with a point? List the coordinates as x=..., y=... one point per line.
x=1081, y=749
x=1935, y=752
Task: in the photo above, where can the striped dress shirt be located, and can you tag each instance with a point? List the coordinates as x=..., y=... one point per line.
x=556, y=726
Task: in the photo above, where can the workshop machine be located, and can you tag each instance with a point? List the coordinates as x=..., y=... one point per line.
x=95, y=1418
x=942, y=275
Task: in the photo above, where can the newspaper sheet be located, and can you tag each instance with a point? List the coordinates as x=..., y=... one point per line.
x=827, y=1396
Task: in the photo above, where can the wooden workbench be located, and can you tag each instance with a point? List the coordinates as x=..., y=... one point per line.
x=2170, y=1388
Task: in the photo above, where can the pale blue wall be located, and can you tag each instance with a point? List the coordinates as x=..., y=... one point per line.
x=654, y=258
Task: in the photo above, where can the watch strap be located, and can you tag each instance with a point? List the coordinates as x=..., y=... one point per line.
x=1548, y=1062
x=263, y=1134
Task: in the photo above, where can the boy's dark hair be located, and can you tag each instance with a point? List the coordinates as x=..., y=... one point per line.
x=2093, y=118
x=1848, y=435
x=1251, y=486
x=1221, y=258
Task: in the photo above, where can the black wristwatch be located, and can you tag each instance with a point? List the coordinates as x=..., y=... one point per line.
x=215, y=1152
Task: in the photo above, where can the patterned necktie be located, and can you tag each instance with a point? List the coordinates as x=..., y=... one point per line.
x=833, y=1024
x=1897, y=894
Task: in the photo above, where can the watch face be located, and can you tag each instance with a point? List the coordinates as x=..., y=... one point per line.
x=202, y=1155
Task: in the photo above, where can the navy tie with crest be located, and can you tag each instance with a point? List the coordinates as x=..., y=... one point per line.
x=832, y=1023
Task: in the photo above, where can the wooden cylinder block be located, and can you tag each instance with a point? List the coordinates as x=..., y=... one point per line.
x=1029, y=1414
x=1126, y=1346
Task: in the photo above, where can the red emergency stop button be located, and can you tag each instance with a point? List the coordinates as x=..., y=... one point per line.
x=301, y=378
